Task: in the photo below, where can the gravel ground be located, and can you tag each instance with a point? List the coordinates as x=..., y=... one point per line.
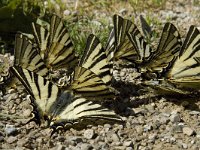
x=154, y=123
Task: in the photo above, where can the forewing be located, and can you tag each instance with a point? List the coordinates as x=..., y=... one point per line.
x=43, y=92
x=83, y=112
x=146, y=29
x=56, y=47
x=90, y=85
x=110, y=46
x=123, y=47
x=142, y=48
x=27, y=56
x=186, y=68
x=94, y=59
x=167, y=51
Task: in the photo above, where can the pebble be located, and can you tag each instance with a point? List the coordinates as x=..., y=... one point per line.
x=1, y=138
x=10, y=129
x=96, y=23
x=123, y=11
x=128, y=143
x=67, y=12
x=147, y=127
x=185, y=146
x=177, y=129
x=74, y=139
x=85, y=146
x=188, y=131
x=11, y=139
x=129, y=148
x=12, y=96
x=139, y=111
x=89, y=134
x=175, y=118
x=21, y=142
x=58, y=146
x=112, y=137
x=26, y=112
x=152, y=137
x=194, y=112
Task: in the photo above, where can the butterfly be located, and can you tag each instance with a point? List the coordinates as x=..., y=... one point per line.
x=79, y=103
x=185, y=72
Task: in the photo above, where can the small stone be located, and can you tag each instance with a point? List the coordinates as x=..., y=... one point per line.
x=59, y=146
x=12, y=96
x=139, y=111
x=128, y=143
x=122, y=73
x=116, y=143
x=139, y=129
x=177, y=129
x=188, y=131
x=21, y=142
x=74, y=139
x=175, y=118
x=96, y=23
x=85, y=146
x=152, y=138
x=172, y=139
x=150, y=108
x=11, y=139
x=67, y=12
x=26, y=112
x=107, y=126
x=129, y=148
x=185, y=146
x=112, y=137
x=123, y=11
x=1, y=138
x=165, y=114
x=89, y=134
x=10, y=129
x=194, y=112
x=185, y=103
x=147, y=127
x=103, y=145
x=10, y=91
x=164, y=120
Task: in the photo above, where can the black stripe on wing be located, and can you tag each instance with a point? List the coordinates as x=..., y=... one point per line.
x=94, y=58
x=82, y=112
x=110, y=46
x=140, y=45
x=123, y=47
x=88, y=84
x=146, y=29
x=27, y=56
x=167, y=51
x=44, y=94
x=187, y=64
x=56, y=47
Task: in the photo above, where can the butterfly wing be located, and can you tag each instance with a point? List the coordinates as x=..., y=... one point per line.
x=94, y=58
x=146, y=29
x=60, y=108
x=43, y=93
x=119, y=46
x=56, y=47
x=92, y=76
x=186, y=69
x=167, y=51
x=142, y=48
x=82, y=112
x=27, y=56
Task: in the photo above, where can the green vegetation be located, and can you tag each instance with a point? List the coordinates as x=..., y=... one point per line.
x=81, y=20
